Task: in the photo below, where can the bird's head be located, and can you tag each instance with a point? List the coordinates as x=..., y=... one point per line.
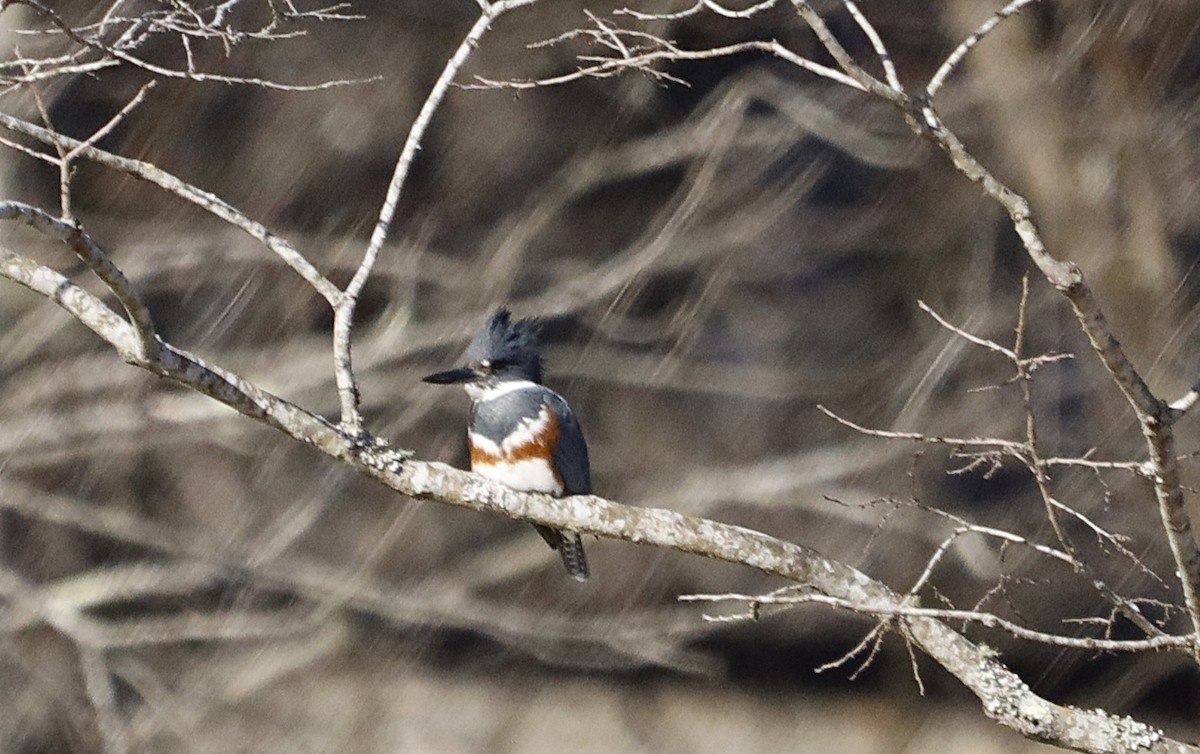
x=505, y=350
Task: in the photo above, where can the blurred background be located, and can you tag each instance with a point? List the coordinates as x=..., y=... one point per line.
x=713, y=261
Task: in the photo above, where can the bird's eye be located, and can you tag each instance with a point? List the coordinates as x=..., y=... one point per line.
x=486, y=364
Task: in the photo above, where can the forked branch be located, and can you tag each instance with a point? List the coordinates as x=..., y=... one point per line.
x=1155, y=417
x=343, y=314
x=1005, y=697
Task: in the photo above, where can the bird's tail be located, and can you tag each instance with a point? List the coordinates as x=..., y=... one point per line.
x=570, y=548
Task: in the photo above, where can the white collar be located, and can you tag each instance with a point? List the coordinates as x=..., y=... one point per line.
x=490, y=392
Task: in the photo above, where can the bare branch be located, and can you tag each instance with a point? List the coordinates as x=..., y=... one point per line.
x=991, y=345
x=960, y=52
x=644, y=62
x=1137, y=468
x=203, y=199
x=64, y=166
x=1155, y=418
x=865, y=81
x=700, y=5
x=113, y=122
x=912, y=663
x=94, y=257
x=82, y=305
x=1029, y=455
x=988, y=620
x=889, y=68
x=171, y=362
x=66, y=156
x=1004, y=696
x=120, y=55
x=869, y=644
x=343, y=320
x=31, y=152
x=1125, y=606
x=1008, y=446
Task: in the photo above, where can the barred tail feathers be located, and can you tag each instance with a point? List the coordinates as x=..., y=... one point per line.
x=570, y=548
x=573, y=556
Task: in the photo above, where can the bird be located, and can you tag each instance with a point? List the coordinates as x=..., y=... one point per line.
x=520, y=432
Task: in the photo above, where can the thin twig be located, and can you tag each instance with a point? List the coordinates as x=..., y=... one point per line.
x=203, y=199
x=845, y=60
x=1155, y=417
x=960, y=52
x=700, y=5
x=343, y=321
x=889, y=68
x=189, y=74
x=95, y=258
x=991, y=345
x=988, y=620
x=113, y=122
x=63, y=165
x=1008, y=446
x=870, y=640
x=644, y=62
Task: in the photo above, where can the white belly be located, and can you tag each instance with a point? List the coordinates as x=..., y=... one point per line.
x=527, y=475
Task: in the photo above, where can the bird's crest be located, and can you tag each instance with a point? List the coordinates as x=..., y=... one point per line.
x=505, y=341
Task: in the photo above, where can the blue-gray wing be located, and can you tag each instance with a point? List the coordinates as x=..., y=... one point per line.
x=570, y=454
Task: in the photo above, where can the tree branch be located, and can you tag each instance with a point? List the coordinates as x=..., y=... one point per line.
x=947, y=67
x=343, y=318
x=203, y=199
x=1004, y=696
x=94, y=257
x=988, y=620
x=1155, y=418
x=119, y=54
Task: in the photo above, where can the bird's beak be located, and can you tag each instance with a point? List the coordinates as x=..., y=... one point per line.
x=452, y=376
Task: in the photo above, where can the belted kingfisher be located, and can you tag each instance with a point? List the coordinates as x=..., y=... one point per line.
x=522, y=433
